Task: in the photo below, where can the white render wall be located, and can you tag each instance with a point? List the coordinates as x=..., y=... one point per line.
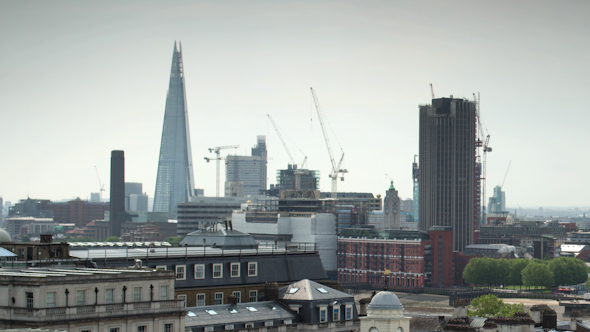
x=320, y=229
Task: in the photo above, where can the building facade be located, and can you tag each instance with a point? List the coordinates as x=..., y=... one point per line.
x=122, y=300
x=203, y=212
x=250, y=170
x=391, y=211
x=77, y=211
x=448, y=188
x=175, y=178
x=135, y=199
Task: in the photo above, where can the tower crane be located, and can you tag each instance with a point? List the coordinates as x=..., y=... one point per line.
x=485, y=145
x=336, y=170
x=298, y=172
x=218, y=157
x=100, y=184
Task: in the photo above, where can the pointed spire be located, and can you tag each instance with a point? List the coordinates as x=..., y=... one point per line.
x=180, y=44
x=175, y=49
x=391, y=187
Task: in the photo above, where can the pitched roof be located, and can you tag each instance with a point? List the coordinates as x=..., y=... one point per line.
x=307, y=290
x=240, y=313
x=425, y=324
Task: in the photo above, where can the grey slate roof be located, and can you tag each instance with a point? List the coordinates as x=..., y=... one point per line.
x=307, y=290
x=202, y=316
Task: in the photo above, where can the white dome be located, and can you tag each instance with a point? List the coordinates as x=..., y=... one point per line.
x=385, y=300
x=4, y=236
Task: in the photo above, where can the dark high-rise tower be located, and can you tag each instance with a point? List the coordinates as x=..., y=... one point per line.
x=448, y=185
x=117, y=191
x=175, y=180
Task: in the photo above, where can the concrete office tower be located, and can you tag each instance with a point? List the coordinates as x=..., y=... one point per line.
x=175, y=179
x=135, y=199
x=391, y=209
x=447, y=187
x=117, y=191
x=251, y=170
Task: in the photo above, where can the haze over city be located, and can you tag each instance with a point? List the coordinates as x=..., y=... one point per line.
x=81, y=79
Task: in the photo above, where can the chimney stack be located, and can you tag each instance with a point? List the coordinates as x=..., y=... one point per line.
x=117, y=192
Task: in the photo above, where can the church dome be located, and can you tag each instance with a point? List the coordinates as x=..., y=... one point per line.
x=4, y=236
x=385, y=300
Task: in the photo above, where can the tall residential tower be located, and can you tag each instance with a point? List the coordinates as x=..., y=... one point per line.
x=448, y=178
x=175, y=180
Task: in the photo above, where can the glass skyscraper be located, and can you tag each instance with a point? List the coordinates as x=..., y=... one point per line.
x=175, y=180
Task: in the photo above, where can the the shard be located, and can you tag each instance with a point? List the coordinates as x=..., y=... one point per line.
x=175, y=180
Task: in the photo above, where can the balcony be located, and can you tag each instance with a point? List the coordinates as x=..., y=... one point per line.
x=100, y=311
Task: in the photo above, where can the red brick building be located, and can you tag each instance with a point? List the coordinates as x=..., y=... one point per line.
x=404, y=258
x=77, y=212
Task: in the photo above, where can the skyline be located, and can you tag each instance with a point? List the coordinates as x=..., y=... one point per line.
x=79, y=80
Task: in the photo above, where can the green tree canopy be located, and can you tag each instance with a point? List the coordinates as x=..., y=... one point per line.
x=173, y=240
x=537, y=274
x=25, y=238
x=485, y=270
x=491, y=306
x=502, y=271
x=516, y=267
x=568, y=271
x=112, y=239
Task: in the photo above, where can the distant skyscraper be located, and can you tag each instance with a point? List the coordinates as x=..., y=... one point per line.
x=135, y=199
x=251, y=170
x=447, y=186
x=497, y=203
x=175, y=180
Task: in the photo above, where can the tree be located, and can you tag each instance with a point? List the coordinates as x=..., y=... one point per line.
x=491, y=306
x=516, y=267
x=172, y=240
x=112, y=239
x=484, y=271
x=568, y=271
x=25, y=238
x=502, y=271
x=537, y=274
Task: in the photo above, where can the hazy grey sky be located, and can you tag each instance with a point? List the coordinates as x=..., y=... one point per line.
x=79, y=79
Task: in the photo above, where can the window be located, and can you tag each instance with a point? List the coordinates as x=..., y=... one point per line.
x=268, y=323
x=180, y=272
x=201, y=299
x=199, y=271
x=114, y=329
x=235, y=270
x=229, y=327
x=323, y=315
x=29, y=299
x=348, y=312
x=169, y=327
x=161, y=267
x=85, y=330
x=182, y=297
x=218, y=298
x=81, y=297
x=217, y=270
x=253, y=296
x=208, y=328
x=136, y=294
x=249, y=325
x=295, y=307
x=238, y=296
x=50, y=300
x=252, y=269
x=163, y=292
x=109, y=296
x=142, y=328
x=336, y=314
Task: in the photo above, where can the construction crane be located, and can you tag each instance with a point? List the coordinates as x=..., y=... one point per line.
x=100, y=184
x=297, y=171
x=506, y=174
x=485, y=145
x=218, y=157
x=431, y=90
x=336, y=170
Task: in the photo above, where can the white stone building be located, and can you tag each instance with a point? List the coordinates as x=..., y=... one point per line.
x=90, y=300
